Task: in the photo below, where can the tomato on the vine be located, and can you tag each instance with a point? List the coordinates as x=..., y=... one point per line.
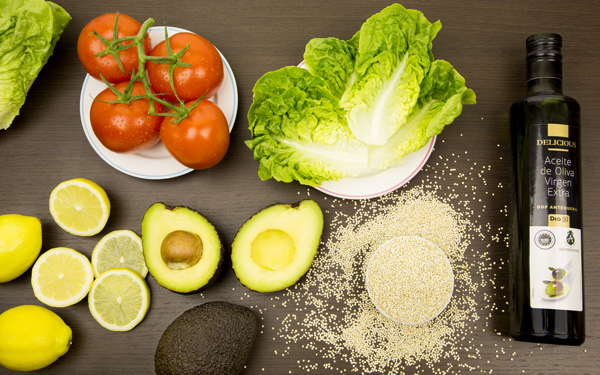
x=205, y=76
x=125, y=128
x=88, y=45
x=199, y=141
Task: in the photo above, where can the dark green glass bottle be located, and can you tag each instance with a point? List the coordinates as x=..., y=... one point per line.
x=546, y=260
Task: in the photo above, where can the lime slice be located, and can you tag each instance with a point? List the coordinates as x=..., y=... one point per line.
x=80, y=207
x=119, y=299
x=119, y=249
x=61, y=277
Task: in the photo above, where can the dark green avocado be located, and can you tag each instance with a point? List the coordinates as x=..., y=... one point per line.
x=214, y=338
x=182, y=249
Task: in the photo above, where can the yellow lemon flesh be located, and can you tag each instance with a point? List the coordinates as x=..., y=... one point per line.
x=31, y=338
x=80, y=207
x=119, y=249
x=119, y=299
x=20, y=244
x=61, y=277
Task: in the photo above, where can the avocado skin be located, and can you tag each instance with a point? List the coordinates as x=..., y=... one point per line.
x=217, y=273
x=214, y=338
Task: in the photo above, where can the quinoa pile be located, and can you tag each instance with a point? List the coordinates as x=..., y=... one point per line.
x=354, y=331
x=409, y=279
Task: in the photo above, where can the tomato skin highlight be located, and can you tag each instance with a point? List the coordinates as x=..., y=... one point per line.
x=199, y=141
x=205, y=76
x=88, y=45
x=125, y=128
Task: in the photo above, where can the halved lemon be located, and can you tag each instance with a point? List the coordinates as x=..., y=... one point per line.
x=119, y=249
x=119, y=299
x=80, y=207
x=61, y=277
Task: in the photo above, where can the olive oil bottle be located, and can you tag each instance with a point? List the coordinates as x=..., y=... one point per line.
x=546, y=262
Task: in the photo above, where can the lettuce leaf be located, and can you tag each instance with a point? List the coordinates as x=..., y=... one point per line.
x=360, y=106
x=332, y=60
x=299, y=131
x=441, y=97
x=379, y=70
x=29, y=30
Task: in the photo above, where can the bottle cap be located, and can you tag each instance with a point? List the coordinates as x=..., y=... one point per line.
x=544, y=57
x=544, y=47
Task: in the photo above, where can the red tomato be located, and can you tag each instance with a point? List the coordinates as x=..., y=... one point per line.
x=88, y=45
x=125, y=128
x=204, y=76
x=199, y=141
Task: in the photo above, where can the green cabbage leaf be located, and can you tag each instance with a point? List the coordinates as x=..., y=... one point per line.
x=360, y=106
x=29, y=30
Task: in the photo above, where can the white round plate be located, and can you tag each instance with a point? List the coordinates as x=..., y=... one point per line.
x=381, y=183
x=155, y=163
x=402, y=238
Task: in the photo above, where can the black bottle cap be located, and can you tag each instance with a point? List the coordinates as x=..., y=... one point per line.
x=544, y=47
x=544, y=57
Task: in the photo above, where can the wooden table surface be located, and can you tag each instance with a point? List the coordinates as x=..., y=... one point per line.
x=484, y=40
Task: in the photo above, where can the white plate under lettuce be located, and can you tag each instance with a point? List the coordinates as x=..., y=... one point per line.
x=381, y=183
x=155, y=163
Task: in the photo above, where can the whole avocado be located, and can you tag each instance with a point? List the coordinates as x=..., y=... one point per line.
x=214, y=338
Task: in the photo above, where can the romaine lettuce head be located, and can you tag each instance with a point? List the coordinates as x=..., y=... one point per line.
x=299, y=132
x=361, y=106
x=29, y=30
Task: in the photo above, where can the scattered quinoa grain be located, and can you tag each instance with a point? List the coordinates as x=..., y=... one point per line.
x=358, y=333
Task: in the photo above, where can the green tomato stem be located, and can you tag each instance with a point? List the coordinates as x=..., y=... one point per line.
x=173, y=60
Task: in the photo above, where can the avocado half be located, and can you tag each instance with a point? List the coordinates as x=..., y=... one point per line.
x=214, y=338
x=276, y=246
x=182, y=249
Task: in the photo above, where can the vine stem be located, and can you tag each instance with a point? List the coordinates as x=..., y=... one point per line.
x=141, y=74
x=174, y=60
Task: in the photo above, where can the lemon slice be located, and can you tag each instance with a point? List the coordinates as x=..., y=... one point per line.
x=61, y=277
x=80, y=207
x=119, y=299
x=119, y=249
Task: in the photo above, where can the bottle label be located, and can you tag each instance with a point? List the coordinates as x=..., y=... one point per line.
x=555, y=265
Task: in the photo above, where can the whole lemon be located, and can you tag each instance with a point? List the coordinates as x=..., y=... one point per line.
x=20, y=244
x=32, y=337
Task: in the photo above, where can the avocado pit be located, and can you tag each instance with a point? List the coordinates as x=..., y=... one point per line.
x=181, y=249
x=273, y=249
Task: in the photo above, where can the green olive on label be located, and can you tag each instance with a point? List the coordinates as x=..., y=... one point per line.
x=554, y=288
x=558, y=273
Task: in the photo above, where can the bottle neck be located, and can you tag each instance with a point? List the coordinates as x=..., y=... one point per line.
x=544, y=85
x=544, y=76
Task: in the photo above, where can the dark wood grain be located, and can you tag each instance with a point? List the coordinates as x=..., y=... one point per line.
x=484, y=40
